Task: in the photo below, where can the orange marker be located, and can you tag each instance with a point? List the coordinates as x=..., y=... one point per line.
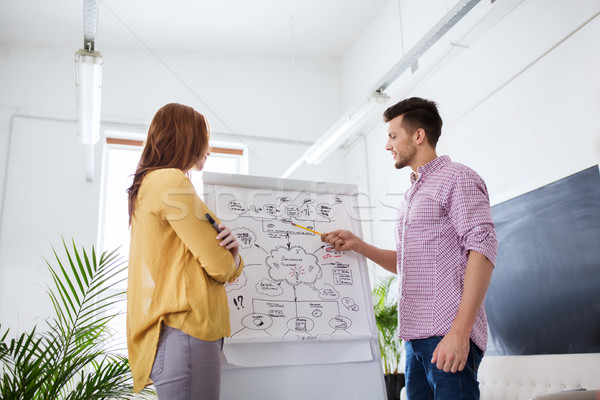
x=305, y=228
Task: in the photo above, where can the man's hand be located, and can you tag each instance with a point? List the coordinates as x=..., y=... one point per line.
x=342, y=240
x=451, y=353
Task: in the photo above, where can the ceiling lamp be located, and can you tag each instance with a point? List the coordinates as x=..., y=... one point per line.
x=344, y=129
x=89, y=84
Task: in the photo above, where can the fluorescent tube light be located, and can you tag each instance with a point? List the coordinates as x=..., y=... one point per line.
x=345, y=128
x=89, y=85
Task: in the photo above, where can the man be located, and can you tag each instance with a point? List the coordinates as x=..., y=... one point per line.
x=446, y=247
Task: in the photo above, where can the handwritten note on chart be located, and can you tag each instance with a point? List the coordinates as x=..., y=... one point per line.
x=294, y=287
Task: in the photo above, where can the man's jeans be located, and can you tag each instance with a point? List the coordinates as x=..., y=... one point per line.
x=424, y=381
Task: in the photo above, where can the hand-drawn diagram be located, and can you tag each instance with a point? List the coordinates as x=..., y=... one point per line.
x=294, y=287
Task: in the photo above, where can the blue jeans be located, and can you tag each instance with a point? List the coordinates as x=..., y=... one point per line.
x=424, y=381
x=186, y=368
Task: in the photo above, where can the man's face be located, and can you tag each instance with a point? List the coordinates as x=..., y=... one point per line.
x=400, y=144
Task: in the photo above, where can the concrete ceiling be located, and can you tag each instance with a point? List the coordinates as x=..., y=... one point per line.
x=270, y=27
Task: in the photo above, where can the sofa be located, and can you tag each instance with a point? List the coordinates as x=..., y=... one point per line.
x=547, y=377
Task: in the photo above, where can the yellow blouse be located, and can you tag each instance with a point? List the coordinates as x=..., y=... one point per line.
x=176, y=270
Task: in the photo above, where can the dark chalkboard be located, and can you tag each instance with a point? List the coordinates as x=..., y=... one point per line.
x=544, y=297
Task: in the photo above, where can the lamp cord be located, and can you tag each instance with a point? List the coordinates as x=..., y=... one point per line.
x=90, y=22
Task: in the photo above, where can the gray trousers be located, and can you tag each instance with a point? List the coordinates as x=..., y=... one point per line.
x=186, y=368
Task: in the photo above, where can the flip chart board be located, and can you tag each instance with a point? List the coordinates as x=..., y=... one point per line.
x=300, y=309
x=294, y=288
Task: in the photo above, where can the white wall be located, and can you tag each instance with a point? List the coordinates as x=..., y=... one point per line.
x=47, y=197
x=42, y=168
x=519, y=104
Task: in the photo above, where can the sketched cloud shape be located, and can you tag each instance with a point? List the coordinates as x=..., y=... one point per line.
x=293, y=265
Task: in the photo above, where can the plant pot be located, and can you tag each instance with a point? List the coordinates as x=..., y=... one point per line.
x=393, y=385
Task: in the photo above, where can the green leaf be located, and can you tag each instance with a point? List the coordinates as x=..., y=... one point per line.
x=78, y=277
x=386, y=319
x=69, y=359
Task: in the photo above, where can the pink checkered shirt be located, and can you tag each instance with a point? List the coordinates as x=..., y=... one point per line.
x=445, y=213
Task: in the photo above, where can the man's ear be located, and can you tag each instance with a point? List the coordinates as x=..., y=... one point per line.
x=420, y=136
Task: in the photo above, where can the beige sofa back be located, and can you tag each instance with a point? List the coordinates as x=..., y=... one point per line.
x=522, y=377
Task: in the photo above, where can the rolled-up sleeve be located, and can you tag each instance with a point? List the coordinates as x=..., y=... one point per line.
x=471, y=215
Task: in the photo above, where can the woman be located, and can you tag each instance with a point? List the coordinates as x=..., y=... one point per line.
x=177, y=313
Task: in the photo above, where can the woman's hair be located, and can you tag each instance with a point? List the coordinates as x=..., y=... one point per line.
x=177, y=138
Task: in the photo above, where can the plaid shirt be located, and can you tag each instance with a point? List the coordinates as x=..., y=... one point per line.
x=445, y=213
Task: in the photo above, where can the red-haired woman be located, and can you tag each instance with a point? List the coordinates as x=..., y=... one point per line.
x=177, y=313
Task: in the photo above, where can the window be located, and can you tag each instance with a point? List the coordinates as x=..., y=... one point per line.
x=121, y=158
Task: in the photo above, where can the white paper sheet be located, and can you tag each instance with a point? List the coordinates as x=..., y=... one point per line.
x=296, y=353
x=294, y=288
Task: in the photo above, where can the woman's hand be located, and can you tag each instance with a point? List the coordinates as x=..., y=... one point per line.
x=230, y=242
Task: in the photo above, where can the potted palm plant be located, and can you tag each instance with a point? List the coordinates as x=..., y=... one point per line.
x=68, y=357
x=385, y=302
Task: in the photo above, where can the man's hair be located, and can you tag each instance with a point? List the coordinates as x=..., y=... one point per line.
x=418, y=113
